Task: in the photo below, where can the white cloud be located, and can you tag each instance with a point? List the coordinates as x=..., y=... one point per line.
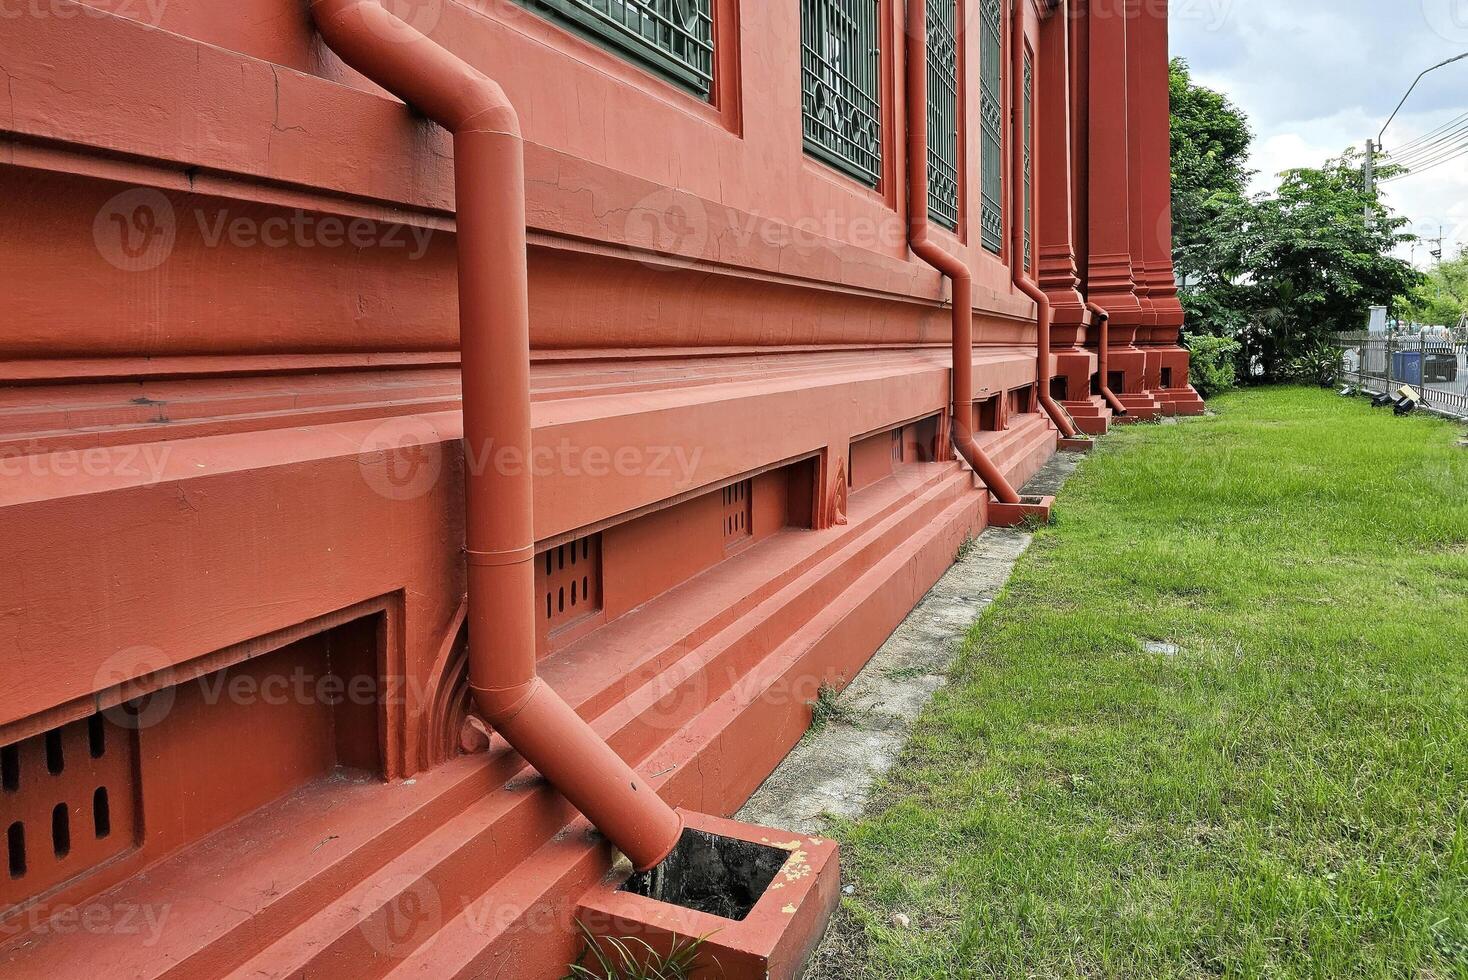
x=1318, y=76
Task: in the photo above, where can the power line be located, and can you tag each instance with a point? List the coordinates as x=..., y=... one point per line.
x=1430, y=149
x=1436, y=152
x=1431, y=164
x=1427, y=136
x=1422, y=170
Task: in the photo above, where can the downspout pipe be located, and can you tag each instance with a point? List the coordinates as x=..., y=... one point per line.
x=949, y=265
x=1103, y=358
x=1045, y=373
x=494, y=327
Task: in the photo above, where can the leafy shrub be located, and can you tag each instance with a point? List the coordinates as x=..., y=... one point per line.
x=1317, y=365
x=1212, y=369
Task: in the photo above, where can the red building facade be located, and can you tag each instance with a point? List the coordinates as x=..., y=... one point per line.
x=242, y=728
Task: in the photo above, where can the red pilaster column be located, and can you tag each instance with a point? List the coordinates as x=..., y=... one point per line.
x=1109, y=272
x=1058, y=274
x=1147, y=42
x=1138, y=171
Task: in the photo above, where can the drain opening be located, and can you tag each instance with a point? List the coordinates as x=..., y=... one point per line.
x=717, y=875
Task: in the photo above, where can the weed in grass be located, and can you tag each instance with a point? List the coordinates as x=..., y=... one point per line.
x=607, y=958
x=966, y=548
x=827, y=709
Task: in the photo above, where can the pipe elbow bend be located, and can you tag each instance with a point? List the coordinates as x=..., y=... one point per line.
x=397, y=55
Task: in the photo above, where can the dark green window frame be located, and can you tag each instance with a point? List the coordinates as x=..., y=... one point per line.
x=943, y=196
x=841, y=85
x=670, y=38
x=991, y=118
x=1029, y=163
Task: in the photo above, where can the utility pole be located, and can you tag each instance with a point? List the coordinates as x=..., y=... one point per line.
x=1370, y=171
x=1370, y=166
x=1437, y=253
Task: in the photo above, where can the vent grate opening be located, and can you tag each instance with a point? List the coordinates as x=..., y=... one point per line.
x=15, y=844
x=77, y=785
x=738, y=514
x=55, y=754
x=60, y=831
x=101, y=814
x=569, y=582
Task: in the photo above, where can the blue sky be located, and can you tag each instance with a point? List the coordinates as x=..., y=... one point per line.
x=1316, y=76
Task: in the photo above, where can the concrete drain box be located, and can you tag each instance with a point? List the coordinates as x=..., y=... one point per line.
x=759, y=899
x=1037, y=510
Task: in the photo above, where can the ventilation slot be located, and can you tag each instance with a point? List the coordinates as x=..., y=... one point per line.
x=97, y=736
x=569, y=582
x=738, y=513
x=1167, y=377
x=61, y=831
x=15, y=844
x=101, y=814
x=55, y=754
x=52, y=781
x=899, y=445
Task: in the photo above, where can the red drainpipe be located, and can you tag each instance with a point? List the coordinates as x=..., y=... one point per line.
x=1044, y=372
x=939, y=258
x=494, y=327
x=1104, y=358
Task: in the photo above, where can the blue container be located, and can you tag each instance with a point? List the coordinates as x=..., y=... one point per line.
x=1407, y=367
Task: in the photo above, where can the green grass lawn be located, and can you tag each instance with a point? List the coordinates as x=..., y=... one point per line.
x=1287, y=796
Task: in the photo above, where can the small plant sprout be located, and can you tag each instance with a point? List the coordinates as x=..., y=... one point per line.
x=607, y=958
x=827, y=708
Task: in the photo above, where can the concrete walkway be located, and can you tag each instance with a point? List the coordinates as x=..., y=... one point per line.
x=832, y=771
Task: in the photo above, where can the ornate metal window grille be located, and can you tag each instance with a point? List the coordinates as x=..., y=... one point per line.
x=943, y=112
x=1029, y=174
x=671, y=38
x=841, y=85
x=991, y=115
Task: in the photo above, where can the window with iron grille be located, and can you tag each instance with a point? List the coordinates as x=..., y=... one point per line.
x=671, y=38
x=943, y=112
x=841, y=80
x=991, y=115
x=1029, y=178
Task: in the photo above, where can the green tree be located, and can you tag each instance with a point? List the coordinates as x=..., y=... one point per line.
x=1308, y=261
x=1210, y=152
x=1442, y=298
